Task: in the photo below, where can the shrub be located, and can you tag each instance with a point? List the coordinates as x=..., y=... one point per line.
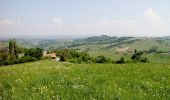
x=73, y=60
x=63, y=54
x=153, y=49
x=102, y=59
x=34, y=52
x=27, y=59
x=144, y=60
x=66, y=54
x=121, y=61
x=12, y=61
x=113, y=61
x=137, y=57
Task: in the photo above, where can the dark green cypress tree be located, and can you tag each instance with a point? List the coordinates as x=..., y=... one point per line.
x=13, y=50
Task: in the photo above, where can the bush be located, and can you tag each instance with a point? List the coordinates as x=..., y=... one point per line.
x=121, y=61
x=137, y=57
x=144, y=60
x=63, y=54
x=102, y=59
x=67, y=54
x=34, y=52
x=113, y=61
x=153, y=49
x=12, y=61
x=27, y=59
x=73, y=60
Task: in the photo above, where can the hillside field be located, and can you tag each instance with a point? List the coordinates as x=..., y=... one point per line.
x=49, y=80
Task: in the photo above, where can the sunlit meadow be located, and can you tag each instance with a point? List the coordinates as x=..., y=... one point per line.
x=63, y=81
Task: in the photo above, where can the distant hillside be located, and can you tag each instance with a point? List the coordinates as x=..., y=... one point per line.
x=102, y=42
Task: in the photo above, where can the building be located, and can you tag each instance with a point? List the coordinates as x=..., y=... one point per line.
x=51, y=56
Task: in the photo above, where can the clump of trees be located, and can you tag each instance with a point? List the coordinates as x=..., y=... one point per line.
x=153, y=49
x=3, y=56
x=34, y=52
x=102, y=59
x=10, y=55
x=73, y=56
x=137, y=57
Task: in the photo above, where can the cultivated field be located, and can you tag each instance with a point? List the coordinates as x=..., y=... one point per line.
x=64, y=81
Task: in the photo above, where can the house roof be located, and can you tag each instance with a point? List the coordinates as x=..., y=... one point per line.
x=49, y=55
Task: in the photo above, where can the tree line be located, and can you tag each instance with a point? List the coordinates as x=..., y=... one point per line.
x=10, y=55
x=73, y=56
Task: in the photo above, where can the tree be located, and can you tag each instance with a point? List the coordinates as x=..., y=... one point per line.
x=137, y=57
x=67, y=54
x=34, y=52
x=153, y=49
x=63, y=54
x=27, y=59
x=102, y=59
x=13, y=49
x=12, y=52
x=3, y=56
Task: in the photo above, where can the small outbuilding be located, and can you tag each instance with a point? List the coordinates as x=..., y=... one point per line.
x=51, y=56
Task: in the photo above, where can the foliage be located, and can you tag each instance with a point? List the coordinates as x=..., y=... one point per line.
x=73, y=60
x=9, y=56
x=137, y=57
x=13, y=49
x=3, y=56
x=144, y=60
x=103, y=59
x=153, y=49
x=121, y=61
x=63, y=54
x=34, y=52
x=22, y=49
x=27, y=59
x=67, y=54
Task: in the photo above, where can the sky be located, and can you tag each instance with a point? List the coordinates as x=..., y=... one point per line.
x=71, y=18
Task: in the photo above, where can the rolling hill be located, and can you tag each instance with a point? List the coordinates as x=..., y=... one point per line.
x=113, y=47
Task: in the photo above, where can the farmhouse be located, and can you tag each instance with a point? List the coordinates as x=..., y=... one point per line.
x=51, y=56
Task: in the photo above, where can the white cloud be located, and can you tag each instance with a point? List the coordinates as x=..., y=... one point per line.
x=10, y=26
x=39, y=25
x=150, y=24
x=57, y=21
x=152, y=15
x=6, y=25
x=6, y=22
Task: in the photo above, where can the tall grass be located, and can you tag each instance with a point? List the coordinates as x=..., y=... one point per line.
x=45, y=80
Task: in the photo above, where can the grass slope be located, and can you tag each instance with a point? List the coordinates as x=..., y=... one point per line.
x=159, y=58
x=51, y=80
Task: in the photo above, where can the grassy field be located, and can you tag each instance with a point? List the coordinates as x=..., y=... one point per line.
x=153, y=58
x=48, y=80
x=110, y=54
x=159, y=58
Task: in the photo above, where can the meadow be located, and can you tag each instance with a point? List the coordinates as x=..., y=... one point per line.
x=49, y=80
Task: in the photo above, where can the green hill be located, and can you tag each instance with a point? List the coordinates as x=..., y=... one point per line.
x=102, y=42
x=112, y=47
x=62, y=81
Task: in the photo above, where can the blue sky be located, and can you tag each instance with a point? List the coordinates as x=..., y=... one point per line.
x=84, y=17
